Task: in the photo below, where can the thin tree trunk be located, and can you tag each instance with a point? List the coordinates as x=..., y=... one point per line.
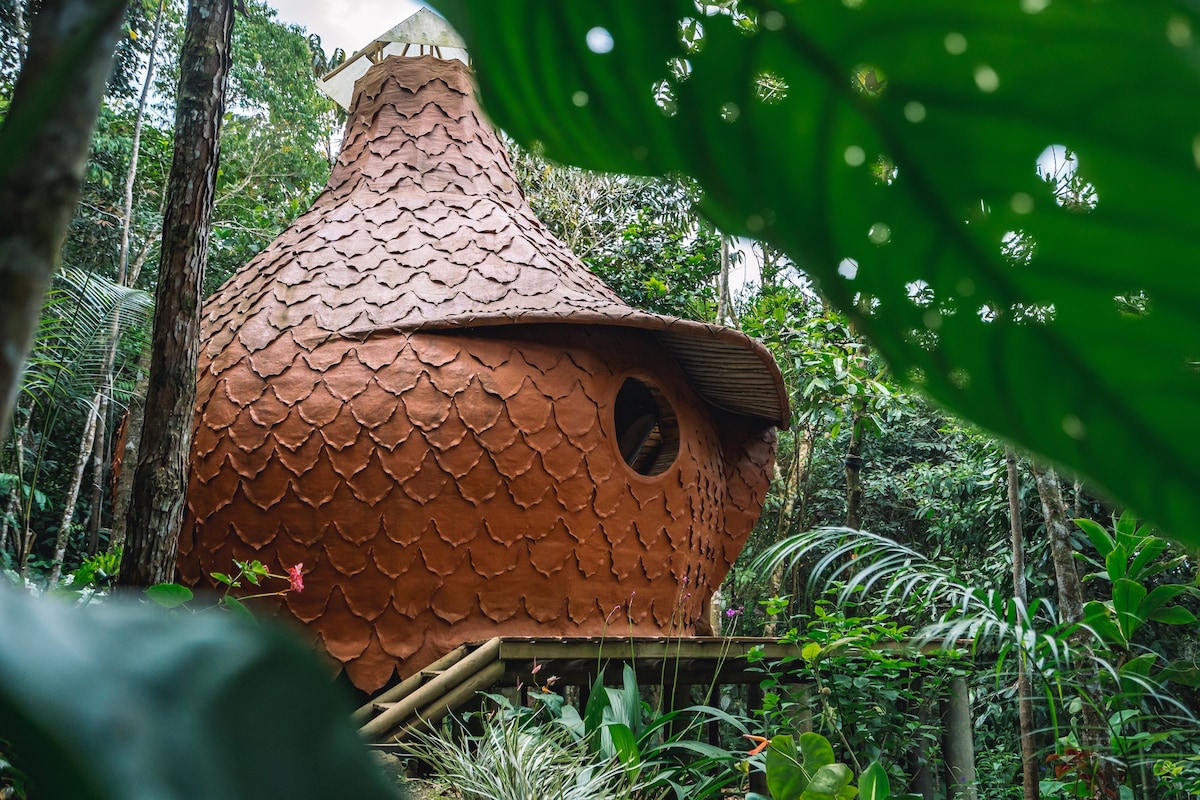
x=1070, y=590
x=19, y=27
x=160, y=481
x=24, y=540
x=725, y=314
x=100, y=449
x=1029, y=759
x=64, y=527
x=99, y=462
x=13, y=509
x=135, y=151
x=790, y=486
x=43, y=150
x=1093, y=732
x=130, y=440
x=853, y=465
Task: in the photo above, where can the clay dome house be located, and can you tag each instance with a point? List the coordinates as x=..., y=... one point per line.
x=421, y=395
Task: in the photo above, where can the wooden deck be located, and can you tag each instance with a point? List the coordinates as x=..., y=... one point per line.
x=508, y=662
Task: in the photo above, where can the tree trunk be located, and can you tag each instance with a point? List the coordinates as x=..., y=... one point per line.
x=64, y=527
x=725, y=315
x=99, y=468
x=791, y=487
x=100, y=451
x=129, y=440
x=1093, y=732
x=160, y=480
x=1054, y=509
x=12, y=511
x=24, y=538
x=854, y=490
x=1029, y=759
x=135, y=151
x=43, y=150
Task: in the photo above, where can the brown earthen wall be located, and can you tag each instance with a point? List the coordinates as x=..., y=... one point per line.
x=411, y=393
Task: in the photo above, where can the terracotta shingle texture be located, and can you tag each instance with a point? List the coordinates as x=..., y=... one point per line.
x=412, y=393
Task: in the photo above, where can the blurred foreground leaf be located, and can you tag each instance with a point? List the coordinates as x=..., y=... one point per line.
x=126, y=702
x=898, y=152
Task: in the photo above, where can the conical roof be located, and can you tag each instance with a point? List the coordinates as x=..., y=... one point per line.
x=422, y=227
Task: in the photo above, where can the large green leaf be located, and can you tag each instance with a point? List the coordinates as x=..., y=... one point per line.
x=1127, y=599
x=962, y=98
x=828, y=782
x=1099, y=618
x=786, y=778
x=1100, y=538
x=873, y=784
x=118, y=702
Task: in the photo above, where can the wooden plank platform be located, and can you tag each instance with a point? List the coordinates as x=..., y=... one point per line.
x=508, y=662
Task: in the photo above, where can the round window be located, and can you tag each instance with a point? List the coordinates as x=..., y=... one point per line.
x=647, y=430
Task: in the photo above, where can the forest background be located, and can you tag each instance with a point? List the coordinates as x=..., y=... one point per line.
x=863, y=452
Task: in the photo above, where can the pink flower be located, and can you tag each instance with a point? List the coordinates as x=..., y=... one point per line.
x=295, y=578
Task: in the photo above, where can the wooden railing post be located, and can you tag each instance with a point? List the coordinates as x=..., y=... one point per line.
x=959, y=742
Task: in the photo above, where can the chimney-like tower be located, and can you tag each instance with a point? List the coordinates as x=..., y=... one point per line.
x=426, y=399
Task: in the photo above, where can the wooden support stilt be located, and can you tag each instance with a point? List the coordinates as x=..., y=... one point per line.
x=959, y=742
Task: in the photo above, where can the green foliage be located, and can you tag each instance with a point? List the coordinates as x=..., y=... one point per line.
x=117, y=701
x=169, y=595
x=511, y=760
x=13, y=781
x=1178, y=777
x=10, y=483
x=94, y=240
x=1131, y=691
x=657, y=752
x=96, y=572
x=75, y=335
x=275, y=143
x=1132, y=555
x=890, y=149
x=810, y=772
x=661, y=267
x=861, y=687
x=254, y=572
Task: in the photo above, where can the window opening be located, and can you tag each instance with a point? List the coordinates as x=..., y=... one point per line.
x=647, y=430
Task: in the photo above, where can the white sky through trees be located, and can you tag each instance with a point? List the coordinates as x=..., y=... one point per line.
x=349, y=24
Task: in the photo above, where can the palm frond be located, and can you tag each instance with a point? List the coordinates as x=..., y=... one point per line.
x=867, y=569
x=75, y=335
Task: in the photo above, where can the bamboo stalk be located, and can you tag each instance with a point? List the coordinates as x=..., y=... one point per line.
x=431, y=691
x=409, y=684
x=437, y=711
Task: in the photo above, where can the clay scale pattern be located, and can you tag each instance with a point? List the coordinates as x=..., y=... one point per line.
x=411, y=392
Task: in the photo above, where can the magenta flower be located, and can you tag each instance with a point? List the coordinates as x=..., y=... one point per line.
x=735, y=611
x=295, y=578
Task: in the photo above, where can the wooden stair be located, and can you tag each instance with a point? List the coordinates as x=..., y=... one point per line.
x=429, y=695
